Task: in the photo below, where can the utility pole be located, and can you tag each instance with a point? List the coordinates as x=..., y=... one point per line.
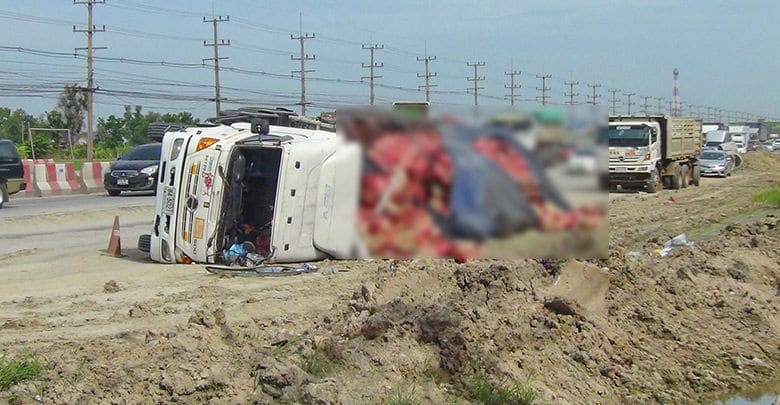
x=476, y=79
x=216, y=44
x=371, y=66
x=629, y=103
x=660, y=101
x=571, y=94
x=303, y=58
x=593, y=97
x=645, y=106
x=427, y=60
x=614, y=99
x=544, y=89
x=90, y=29
x=512, y=86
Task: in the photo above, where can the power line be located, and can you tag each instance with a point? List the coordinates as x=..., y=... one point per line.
x=512, y=86
x=660, y=101
x=629, y=103
x=216, y=44
x=593, y=97
x=614, y=99
x=371, y=66
x=303, y=58
x=571, y=94
x=476, y=79
x=90, y=30
x=645, y=106
x=427, y=75
x=544, y=89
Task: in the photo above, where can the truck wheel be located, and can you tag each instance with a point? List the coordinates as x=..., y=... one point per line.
x=653, y=183
x=696, y=178
x=3, y=194
x=684, y=177
x=675, y=178
x=114, y=193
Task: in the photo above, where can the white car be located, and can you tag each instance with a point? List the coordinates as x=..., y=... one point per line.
x=583, y=161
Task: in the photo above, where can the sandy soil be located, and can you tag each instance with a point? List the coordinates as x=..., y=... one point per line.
x=636, y=328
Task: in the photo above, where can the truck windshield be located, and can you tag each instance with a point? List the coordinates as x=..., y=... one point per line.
x=629, y=136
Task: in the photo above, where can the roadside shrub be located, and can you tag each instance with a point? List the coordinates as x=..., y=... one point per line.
x=770, y=196
x=18, y=369
x=484, y=391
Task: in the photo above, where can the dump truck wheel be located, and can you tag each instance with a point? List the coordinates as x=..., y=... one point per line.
x=684, y=177
x=696, y=176
x=654, y=182
x=675, y=178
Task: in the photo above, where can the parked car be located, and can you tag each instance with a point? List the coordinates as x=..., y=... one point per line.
x=768, y=145
x=716, y=163
x=776, y=145
x=11, y=172
x=583, y=161
x=135, y=171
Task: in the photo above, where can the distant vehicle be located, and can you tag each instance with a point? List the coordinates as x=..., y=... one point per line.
x=753, y=145
x=740, y=147
x=135, y=171
x=776, y=145
x=716, y=163
x=649, y=151
x=722, y=140
x=769, y=145
x=522, y=127
x=11, y=172
x=583, y=161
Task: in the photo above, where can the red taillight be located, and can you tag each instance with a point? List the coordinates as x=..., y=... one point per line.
x=185, y=259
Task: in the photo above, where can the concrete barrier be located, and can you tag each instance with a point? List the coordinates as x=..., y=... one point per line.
x=28, y=167
x=92, y=176
x=56, y=179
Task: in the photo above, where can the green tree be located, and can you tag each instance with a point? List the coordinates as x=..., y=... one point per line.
x=72, y=105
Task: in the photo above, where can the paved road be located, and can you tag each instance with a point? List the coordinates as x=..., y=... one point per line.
x=21, y=207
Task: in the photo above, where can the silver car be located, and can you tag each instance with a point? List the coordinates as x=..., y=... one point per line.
x=716, y=163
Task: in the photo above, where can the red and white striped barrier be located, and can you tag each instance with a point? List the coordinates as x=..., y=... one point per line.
x=56, y=179
x=92, y=176
x=28, y=167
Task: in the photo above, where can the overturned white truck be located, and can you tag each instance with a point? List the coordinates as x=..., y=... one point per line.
x=654, y=151
x=290, y=191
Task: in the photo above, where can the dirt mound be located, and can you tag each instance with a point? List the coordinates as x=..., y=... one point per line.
x=761, y=161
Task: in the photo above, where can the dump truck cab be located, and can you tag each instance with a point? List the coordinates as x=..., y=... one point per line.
x=290, y=192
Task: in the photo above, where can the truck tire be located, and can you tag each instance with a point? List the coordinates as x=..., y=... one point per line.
x=145, y=243
x=684, y=177
x=675, y=178
x=3, y=194
x=696, y=178
x=654, y=182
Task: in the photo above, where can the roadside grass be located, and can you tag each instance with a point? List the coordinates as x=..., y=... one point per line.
x=483, y=391
x=770, y=196
x=402, y=398
x=319, y=363
x=18, y=369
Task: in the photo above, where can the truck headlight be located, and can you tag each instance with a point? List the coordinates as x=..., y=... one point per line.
x=149, y=170
x=647, y=156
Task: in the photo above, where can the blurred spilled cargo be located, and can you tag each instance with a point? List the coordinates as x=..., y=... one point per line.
x=256, y=186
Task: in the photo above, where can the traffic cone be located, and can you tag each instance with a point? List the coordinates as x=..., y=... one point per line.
x=114, y=243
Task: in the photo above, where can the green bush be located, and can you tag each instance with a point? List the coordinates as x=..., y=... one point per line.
x=770, y=196
x=484, y=391
x=18, y=369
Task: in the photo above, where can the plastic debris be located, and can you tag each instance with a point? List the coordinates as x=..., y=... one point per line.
x=678, y=241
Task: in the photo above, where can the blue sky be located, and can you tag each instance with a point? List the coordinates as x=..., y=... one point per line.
x=725, y=50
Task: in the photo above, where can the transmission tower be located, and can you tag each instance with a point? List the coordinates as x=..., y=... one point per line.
x=660, y=101
x=301, y=38
x=90, y=29
x=615, y=100
x=544, y=89
x=512, y=86
x=476, y=79
x=216, y=44
x=645, y=105
x=371, y=66
x=593, y=97
x=427, y=75
x=571, y=94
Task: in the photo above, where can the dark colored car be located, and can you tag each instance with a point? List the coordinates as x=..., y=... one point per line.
x=11, y=172
x=135, y=171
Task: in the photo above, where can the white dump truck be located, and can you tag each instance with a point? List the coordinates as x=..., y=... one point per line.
x=238, y=186
x=654, y=151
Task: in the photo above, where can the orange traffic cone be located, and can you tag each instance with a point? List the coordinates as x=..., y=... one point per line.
x=114, y=243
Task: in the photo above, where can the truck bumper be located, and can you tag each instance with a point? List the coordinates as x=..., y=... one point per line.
x=629, y=176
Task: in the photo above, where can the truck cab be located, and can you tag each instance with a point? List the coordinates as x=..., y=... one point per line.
x=654, y=151
x=289, y=192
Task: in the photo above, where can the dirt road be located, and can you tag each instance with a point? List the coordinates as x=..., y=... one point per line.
x=637, y=328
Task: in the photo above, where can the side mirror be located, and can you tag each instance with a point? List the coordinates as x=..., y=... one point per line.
x=259, y=126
